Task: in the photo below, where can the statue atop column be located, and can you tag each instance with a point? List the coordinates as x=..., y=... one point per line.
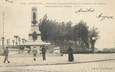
x=35, y=33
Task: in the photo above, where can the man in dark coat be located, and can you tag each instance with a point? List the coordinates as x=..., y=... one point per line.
x=43, y=52
x=6, y=53
x=70, y=54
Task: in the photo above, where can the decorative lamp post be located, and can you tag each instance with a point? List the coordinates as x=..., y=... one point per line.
x=3, y=38
x=19, y=40
x=8, y=41
x=3, y=42
x=93, y=44
x=16, y=37
x=13, y=41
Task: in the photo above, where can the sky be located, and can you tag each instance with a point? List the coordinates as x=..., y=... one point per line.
x=17, y=19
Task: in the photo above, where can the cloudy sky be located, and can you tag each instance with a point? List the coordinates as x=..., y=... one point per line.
x=18, y=16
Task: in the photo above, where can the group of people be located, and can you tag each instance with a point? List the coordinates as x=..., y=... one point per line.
x=43, y=50
x=43, y=53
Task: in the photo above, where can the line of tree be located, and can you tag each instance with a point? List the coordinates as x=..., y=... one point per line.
x=63, y=34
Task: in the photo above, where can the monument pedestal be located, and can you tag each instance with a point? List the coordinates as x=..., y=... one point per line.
x=35, y=35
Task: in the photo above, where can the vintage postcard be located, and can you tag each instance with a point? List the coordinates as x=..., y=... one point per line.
x=57, y=36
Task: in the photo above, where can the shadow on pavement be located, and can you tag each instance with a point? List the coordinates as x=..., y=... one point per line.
x=82, y=62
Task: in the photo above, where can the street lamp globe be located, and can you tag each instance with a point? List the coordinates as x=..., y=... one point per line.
x=93, y=38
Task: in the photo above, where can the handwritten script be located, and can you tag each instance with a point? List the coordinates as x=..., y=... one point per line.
x=102, y=17
x=81, y=10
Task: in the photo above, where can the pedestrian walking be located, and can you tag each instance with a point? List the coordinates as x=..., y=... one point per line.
x=34, y=53
x=70, y=54
x=43, y=53
x=6, y=54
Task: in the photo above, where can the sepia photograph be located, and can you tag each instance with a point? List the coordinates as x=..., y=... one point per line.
x=57, y=36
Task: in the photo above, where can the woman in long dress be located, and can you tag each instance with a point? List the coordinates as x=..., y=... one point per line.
x=70, y=54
